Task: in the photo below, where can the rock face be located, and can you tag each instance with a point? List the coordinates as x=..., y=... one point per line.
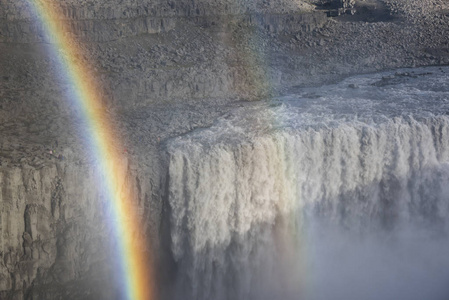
x=166, y=68
x=54, y=237
x=109, y=20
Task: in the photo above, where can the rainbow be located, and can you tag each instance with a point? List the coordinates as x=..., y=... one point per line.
x=134, y=261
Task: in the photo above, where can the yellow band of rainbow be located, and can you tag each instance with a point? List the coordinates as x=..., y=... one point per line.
x=132, y=246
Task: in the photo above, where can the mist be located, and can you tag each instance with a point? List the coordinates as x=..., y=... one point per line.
x=275, y=202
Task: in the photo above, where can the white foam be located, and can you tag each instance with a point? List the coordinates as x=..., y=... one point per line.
x=345, y=196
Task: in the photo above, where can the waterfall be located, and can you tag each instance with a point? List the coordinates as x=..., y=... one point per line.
x=346, y=210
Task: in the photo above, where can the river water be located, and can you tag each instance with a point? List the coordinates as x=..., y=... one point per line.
x=336, y=192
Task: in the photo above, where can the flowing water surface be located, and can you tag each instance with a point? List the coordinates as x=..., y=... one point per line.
x=337, y=192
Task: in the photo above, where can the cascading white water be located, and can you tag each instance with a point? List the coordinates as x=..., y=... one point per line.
x=333, y=194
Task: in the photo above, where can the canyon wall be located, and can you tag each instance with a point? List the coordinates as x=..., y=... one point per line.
x=109, y=20
x=56, y=234
x=165, y=68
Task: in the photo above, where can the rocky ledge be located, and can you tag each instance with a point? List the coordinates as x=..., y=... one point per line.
x=166, y=68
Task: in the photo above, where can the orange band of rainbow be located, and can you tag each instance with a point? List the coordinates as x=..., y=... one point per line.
x=132, y=246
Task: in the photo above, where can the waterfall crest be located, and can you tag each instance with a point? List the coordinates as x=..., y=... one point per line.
x=257, y=218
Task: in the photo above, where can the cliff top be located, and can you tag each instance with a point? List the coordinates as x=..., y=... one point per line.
x=113, y=9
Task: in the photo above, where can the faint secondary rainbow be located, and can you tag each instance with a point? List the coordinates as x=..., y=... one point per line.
x=104, y=147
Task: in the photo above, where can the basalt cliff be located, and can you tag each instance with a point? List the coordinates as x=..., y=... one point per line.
x=166, y=68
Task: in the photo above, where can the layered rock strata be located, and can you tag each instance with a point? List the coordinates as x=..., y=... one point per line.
x=166, y=68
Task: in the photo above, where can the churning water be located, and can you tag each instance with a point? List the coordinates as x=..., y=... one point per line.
x=338, y=192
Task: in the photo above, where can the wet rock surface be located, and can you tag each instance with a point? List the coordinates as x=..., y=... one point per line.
x=166, y=68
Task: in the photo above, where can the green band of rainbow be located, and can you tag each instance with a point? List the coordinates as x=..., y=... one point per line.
x=134, y=259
